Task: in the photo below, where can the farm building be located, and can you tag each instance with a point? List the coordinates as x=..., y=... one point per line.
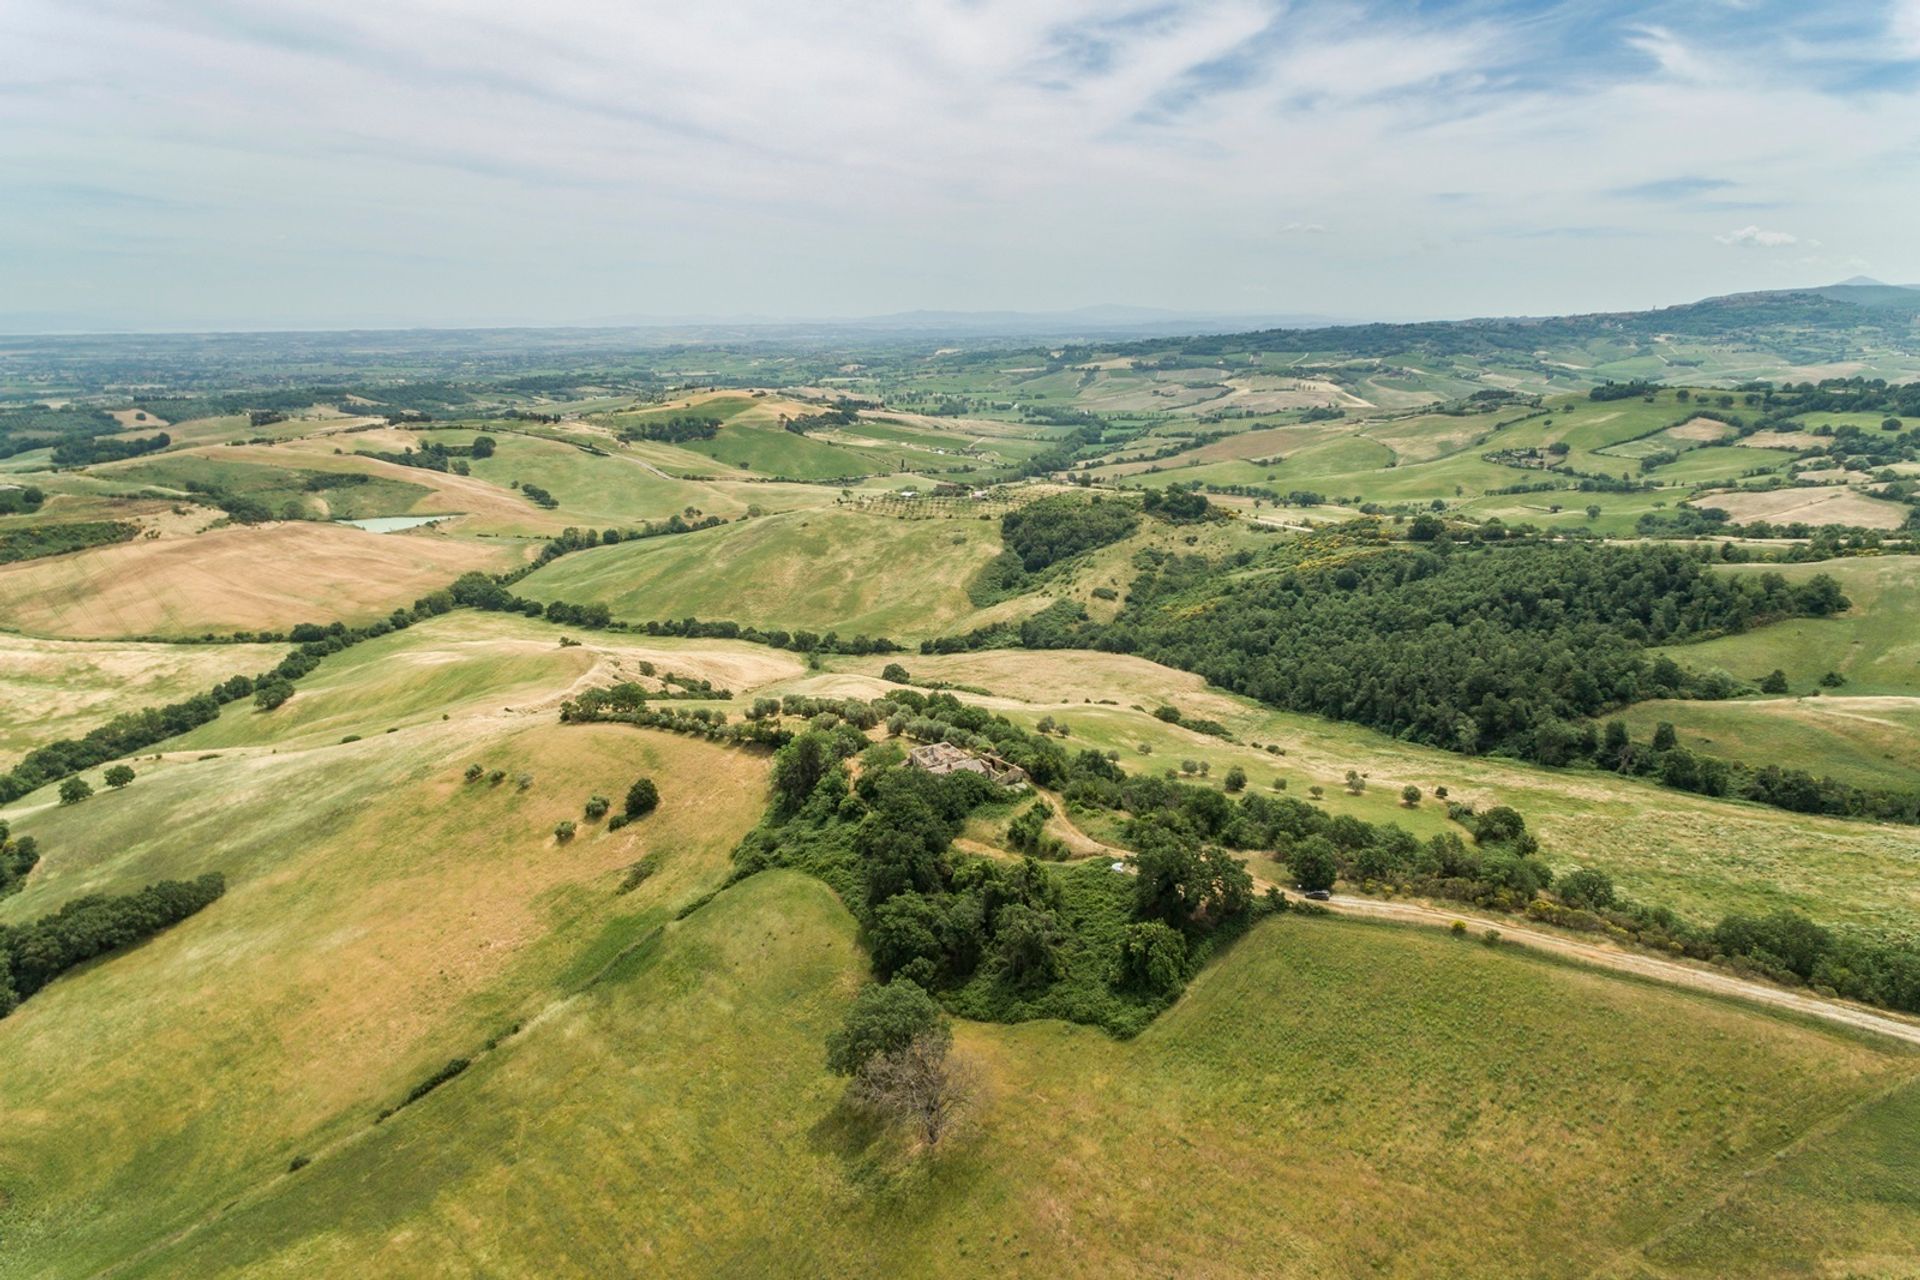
x=944, y=757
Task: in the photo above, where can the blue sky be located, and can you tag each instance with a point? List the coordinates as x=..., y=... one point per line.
x=261, y=163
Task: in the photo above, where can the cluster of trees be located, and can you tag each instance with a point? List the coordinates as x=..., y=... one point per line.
x=701, y=722
x=991, y=940
x=31, y=542
x=820, y=421
x=675, y=430
x=35, y=426
x=1042, y=534
x=618, y=700
x=1498, y=867
x=18, y=856
x=21, y=499
x=34, y=954
x=773, y=637
x=436, y=455
x=1177, y=504
x=1632, y=390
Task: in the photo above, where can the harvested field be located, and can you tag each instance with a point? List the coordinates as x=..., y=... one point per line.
x=1812, y=506
x=1703, y=430
x=240, y=578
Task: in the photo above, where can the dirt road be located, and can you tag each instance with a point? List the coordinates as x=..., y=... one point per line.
x=1679, y=973
x=1674, y=972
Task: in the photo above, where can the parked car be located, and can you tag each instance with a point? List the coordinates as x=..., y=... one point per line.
x=1317, y=895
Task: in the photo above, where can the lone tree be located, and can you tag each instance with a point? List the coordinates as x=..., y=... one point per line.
x=642, y=798
x=1313, y=864
x=1236, y=779
x=1356, y=781
x=896, y=1045
x=74, y=790
x=1410, y=796
x=118, y=776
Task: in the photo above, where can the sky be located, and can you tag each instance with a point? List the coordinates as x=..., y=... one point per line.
x=237, y=164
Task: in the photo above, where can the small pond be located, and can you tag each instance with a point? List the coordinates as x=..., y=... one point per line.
x=391, y=524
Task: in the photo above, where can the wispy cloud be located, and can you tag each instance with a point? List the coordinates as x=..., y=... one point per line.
x=432, y=157
x=1751, y=237
x=1904, y=26
x=1672, y=188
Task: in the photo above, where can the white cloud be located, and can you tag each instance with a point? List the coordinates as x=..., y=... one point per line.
x=1756, y=238
x=432, y=158
x=1904, y=25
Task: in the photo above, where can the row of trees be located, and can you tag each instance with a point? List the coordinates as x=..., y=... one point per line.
x=32, y=955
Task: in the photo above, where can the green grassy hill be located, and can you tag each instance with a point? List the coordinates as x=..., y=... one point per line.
x=1875, y=644
x=821, y=570
x=1870, y=741
x=675, y=1115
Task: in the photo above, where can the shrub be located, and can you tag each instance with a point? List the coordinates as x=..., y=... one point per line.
x=523, y=780
x=497, y=777
x=618, y=821
x=1491, y=937
x=563, y=830
x=896, y=674
x=1458, y=928
x=475, y=773
x=642, y=798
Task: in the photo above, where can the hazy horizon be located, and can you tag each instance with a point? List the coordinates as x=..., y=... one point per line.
x=222, y=166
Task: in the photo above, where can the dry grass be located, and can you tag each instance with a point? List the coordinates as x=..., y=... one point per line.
x=53, y=689
x=236, y=578
x=1813, y=506
x=1701, y=430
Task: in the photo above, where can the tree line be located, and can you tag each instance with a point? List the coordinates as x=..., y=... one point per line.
x=34, y=954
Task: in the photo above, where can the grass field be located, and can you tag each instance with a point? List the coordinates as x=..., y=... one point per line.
x=594, y=491
x=382, y=917
x=282, y=488
x=236, y=578
x=1875, y=644
x=1414, y=1105
x=823, y=570
x=52, y=689
x=1869, y=741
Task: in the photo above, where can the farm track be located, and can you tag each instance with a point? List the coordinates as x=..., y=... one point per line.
x=1672, y=972
x=1655, y=968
